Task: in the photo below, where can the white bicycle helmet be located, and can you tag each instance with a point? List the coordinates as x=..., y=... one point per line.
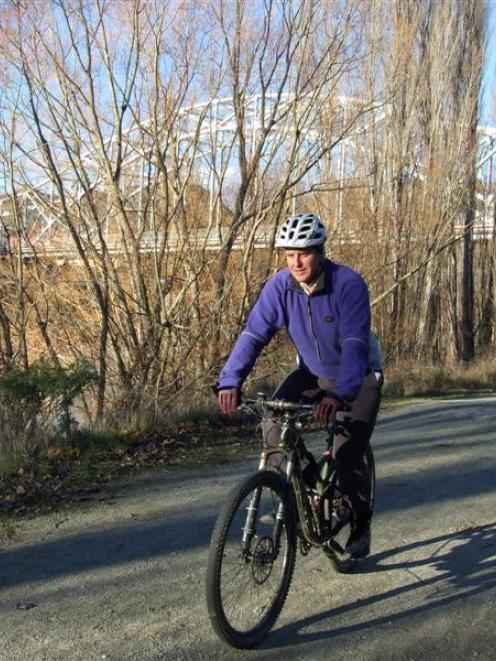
x=305, y=230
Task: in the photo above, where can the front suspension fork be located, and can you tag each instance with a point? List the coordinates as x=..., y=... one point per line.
x=252, y=510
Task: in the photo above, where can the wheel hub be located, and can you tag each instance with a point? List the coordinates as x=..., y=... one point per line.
x=263, y=560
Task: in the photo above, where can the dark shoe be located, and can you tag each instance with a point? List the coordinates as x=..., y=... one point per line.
x=358, y=545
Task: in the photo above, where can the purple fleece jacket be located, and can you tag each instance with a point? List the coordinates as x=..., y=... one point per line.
x=330, y=328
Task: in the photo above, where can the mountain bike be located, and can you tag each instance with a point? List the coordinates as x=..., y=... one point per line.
x=265, y=518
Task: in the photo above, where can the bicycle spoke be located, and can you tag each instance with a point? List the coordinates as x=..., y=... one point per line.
x=250, y=581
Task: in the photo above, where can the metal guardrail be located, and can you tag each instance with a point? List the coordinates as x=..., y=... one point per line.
x=203, y=239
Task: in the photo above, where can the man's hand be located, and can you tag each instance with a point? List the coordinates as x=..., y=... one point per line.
x=228, y=400
x=326, y=410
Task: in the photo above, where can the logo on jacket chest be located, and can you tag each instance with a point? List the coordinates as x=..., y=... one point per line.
x=329, y=318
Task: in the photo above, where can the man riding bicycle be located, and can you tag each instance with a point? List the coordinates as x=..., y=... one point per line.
x=326, y=311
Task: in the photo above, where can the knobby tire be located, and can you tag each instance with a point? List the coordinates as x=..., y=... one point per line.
x=263, y=571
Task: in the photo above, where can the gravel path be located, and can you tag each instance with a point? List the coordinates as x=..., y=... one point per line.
x=122, y=579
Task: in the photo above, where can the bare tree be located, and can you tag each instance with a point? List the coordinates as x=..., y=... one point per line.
x=150, y=150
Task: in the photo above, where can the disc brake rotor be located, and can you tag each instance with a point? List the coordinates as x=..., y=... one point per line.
x=263, y=560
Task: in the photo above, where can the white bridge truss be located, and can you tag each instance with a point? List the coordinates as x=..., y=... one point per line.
x=206, y=142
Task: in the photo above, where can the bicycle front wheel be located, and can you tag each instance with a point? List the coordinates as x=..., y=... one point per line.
x=251, y=560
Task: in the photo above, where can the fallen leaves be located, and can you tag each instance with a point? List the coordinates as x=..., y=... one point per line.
x=82, y=472
x=155, y=451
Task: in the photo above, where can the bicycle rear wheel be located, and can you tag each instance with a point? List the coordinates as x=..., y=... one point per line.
x=369, y=460
x=251, y=560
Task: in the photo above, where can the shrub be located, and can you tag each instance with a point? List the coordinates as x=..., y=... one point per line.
x=35, y=406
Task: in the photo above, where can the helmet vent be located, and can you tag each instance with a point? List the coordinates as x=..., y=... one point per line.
x=304, y=230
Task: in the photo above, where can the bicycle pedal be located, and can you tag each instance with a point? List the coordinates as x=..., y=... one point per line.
x=304, y=547
x=334, y=547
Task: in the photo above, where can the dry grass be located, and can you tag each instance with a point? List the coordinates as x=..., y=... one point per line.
x=409, y=378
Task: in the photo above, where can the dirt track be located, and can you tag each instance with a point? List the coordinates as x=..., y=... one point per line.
x=123, y=578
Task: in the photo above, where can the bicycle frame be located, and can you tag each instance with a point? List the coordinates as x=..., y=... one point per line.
x=320, y=511
x=307, y=511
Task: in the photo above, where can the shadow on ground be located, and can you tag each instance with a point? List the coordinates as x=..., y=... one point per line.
x=462, y=566
x=183, y=527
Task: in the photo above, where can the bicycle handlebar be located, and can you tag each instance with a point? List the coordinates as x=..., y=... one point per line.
x=299, y=409
x=280, y=405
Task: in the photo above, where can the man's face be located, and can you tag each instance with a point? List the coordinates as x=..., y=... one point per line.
x=303, y=264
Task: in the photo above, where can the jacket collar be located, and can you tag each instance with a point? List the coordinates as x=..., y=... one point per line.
x=323, y=280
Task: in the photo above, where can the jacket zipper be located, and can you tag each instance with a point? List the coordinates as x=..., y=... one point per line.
x=309, y=309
